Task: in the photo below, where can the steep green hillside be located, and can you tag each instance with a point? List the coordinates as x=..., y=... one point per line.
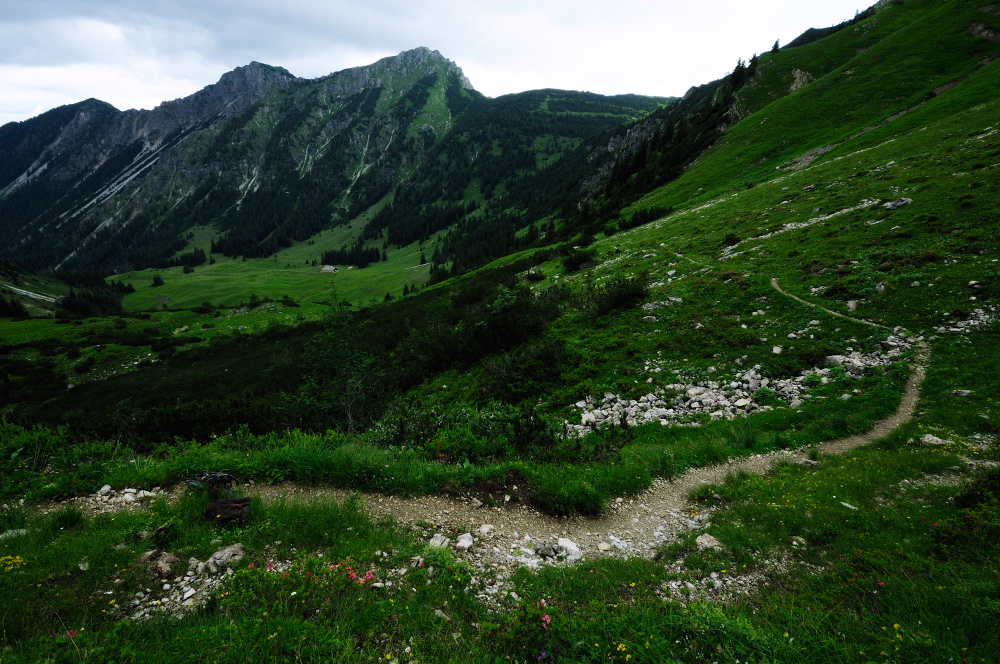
x=758, y=396
x=818, y=222
x=864, y=77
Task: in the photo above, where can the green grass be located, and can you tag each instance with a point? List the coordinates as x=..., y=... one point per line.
x=866, y=583
x=435, y=113
x=879, y=583
x=888, y=577
x=198, y=237
x=873, y=82
x=41, y=463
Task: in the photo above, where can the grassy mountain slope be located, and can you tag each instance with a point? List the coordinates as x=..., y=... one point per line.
x=885, y=554
x=890, y=64
x=783, y=227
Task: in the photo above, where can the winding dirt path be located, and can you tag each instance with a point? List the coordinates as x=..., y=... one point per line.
x=774, y=283
x=633, y=527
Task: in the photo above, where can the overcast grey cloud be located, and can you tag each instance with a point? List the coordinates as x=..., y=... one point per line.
x=135, y=54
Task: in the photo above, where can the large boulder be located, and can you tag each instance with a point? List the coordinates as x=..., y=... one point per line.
x=225, y=557
x=465, y=542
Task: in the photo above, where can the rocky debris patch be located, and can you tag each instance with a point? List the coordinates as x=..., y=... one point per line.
x=183, y=592
x=107, y=500
x=669, y=302
x=977, y=320
x=728, y=398
x=898, y=203
x=947, y=479
x=13, y=533
x=978, y=442
x=931, y=439
x=725, y=586
x=982, y=442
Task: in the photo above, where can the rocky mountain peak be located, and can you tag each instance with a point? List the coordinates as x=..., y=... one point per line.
x=427, y=58
x=235, y=91
x=254, y=74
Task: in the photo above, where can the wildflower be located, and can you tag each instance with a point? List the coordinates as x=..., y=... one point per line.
x=546, y=620
x=294, y=593
x=71, y=633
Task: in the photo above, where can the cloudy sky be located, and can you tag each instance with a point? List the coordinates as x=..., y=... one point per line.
x=136, y=53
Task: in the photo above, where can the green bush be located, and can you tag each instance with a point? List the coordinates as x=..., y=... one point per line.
x=578, y=258
x=765, y=396
x=460, y=444
x=617, y=293
x=505, y=431
x=566, y=494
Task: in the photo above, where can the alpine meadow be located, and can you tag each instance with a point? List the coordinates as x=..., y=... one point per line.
x=374, y=367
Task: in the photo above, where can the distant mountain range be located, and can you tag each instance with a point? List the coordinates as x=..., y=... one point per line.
x=268, y=159
x=405, y=150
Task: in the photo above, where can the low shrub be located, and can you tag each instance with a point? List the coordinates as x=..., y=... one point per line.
x=578, y=258
x=617, y=293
